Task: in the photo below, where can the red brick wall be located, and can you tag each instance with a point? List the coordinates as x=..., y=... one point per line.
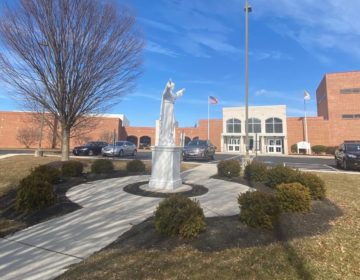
x=138, y=132
x=321, y=93
x=12, y=122
x=338, y=103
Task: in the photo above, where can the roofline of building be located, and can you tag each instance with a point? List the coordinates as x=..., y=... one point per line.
x=258, y=106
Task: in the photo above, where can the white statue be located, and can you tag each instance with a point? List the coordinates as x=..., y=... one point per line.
x=167, y=116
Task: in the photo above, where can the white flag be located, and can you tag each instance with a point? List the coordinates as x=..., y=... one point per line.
x=306, y=95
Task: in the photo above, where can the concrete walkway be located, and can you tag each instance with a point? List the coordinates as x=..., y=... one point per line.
x=45, y=250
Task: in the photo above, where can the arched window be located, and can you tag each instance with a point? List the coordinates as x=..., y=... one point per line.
x=233, y=126
x=274, y=125
x=254, y=125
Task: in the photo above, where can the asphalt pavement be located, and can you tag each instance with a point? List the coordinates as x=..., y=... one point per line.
x=301, y=162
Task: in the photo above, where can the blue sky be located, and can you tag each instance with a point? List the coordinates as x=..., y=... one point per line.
x=199, y=44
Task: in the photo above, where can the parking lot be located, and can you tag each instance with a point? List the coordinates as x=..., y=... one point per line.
x=300, y=162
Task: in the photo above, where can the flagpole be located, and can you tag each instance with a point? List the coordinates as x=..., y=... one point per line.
x=305, y=126
x=208, y=101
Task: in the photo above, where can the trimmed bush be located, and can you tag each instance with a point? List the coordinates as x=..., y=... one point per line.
x=179, y=215
x=318, y=149
x=293, y=148
x=313, y=182
x=293, y=197
x=330, y=150
x=49, y=173
x=280, y=174
x=256, y=171
x=102, y=166
x=72, y=168
x=34, y=193
x=135, y=166
x=229, y=168
x=258, y=209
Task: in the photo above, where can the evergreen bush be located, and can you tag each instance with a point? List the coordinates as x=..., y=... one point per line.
x=49, y=173
x=135, y=166
x=229, y=168
x=102, y=166
x=318, y=149
x=256, y=171
x=72, y=168
x=34, y=193
x=313, y=182
x=280, y=174
x=179, y=215
x=293, y=197
x=258, y=209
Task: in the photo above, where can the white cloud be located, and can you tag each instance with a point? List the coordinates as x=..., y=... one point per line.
x=158, y=25
x=318, y=26
x=156, y=48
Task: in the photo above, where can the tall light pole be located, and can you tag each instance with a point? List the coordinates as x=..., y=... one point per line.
x=247, y=9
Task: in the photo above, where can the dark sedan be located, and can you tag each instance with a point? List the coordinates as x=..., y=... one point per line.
x=348, y=155
x=199, y=149
x=89, y=149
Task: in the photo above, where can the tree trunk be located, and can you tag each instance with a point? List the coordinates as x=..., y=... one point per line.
x=65, y=143
x=54, y=133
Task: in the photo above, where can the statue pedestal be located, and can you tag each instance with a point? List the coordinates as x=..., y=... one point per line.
x=165, y=172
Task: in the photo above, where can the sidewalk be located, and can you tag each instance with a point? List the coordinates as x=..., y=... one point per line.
x=44, y=251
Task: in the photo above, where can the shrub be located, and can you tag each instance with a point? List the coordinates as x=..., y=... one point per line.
x=258, y=209
x=293, y=148
x=179, y=215
x=72, y=168
x=34, y=193
x=318, y=149
x=293, y=197
x=102, y=166
x=228, y=168
x=256, y=171
x=49, y=173
x=135, y=166
x=330, y=150
x=280, y=174
x=313, y=182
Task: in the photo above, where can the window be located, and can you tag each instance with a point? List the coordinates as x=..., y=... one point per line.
x=350, y=90
x=273, y=125
x=254, y=125
x=233, y=126
x=350, y=117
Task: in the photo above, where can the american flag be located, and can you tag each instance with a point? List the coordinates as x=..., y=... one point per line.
x=213, y=100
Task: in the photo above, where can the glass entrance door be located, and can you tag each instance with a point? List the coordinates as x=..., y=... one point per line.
x=233, y=144
x=275, y=145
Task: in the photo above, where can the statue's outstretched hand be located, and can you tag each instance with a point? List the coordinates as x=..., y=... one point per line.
x=179, y=93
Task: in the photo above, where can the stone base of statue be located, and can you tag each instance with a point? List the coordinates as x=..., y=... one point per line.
x=165, y=171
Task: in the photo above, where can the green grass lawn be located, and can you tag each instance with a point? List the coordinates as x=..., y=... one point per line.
x=330, y=254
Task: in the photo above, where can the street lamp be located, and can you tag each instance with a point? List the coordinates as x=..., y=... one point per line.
x=247, y=10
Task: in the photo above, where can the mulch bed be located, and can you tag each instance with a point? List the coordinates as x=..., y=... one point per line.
x=228, y=232
x=221, y=233
x=196, y=190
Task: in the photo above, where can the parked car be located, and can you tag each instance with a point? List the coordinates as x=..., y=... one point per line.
x=144, y=146
x=199, y=149
x=121, y=148
x=89, y=149
x=347, y=156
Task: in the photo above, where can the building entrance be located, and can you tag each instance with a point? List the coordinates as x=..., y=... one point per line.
x=275, y=145
x=233, y=144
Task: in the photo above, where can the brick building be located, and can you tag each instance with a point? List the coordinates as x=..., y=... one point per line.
x=338, y=112
x=337, y=120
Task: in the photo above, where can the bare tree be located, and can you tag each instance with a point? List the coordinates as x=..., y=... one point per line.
x=73, y=58
x=28, y=136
